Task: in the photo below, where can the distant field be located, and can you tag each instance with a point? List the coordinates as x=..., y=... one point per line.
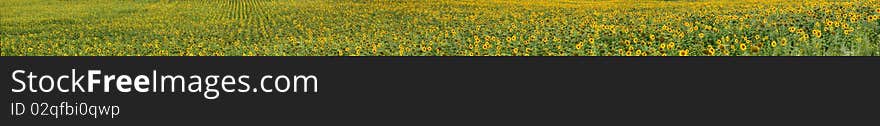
x=439, y=28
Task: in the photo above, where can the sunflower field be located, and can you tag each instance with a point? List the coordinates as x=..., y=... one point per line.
x=439, y=28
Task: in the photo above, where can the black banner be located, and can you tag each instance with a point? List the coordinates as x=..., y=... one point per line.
x=443, y=90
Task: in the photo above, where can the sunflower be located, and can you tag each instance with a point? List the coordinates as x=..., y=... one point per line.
x=742, y=46
x=476, y=40
x=592, y=41
x=817, y=33
x=711, y=50
x=515, y=51
x=773, y=44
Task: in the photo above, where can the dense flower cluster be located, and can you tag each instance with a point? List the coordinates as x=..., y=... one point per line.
x=439, y=28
